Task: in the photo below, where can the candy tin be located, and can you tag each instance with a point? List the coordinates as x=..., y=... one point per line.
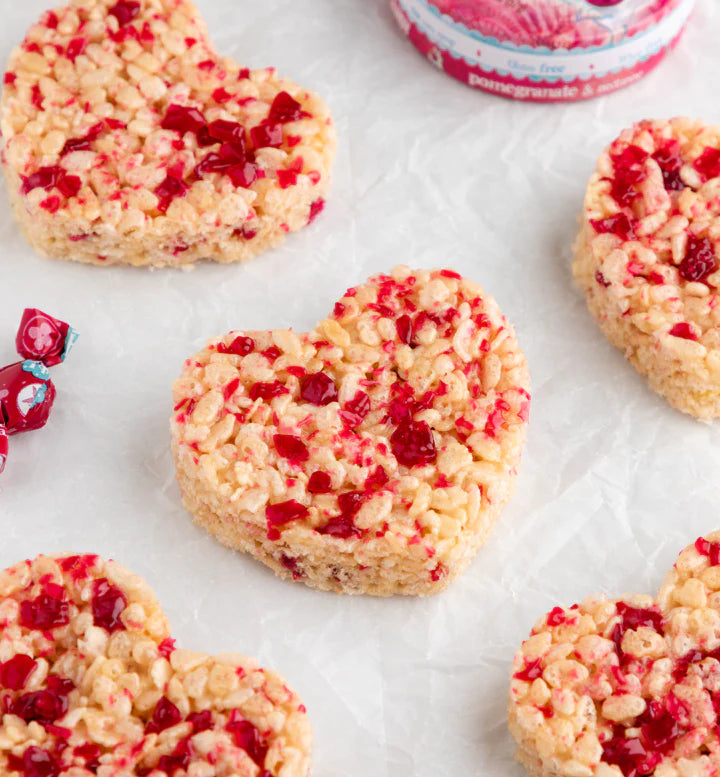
x=544, y=50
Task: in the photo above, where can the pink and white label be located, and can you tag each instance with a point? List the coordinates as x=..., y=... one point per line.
x=561, y=69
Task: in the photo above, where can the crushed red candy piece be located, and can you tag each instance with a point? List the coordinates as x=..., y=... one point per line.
x=531, y=671
x=166, y=647
x=413, y=444
x=37, y=762
x=708, y=163
x=670, y=161
x=36, y=97
x=45, y=706
x=171, y=188
x=320, y=483
x=316, y=207
x=683, y=330
x=284, y=512
x=631, y=619
x=200, y=721
x=556, y=617
x=629, y=167
x=404, y=328
x=267, y=390
x=90, y=754
x=291, y=448
x=267, y=136
x=355, y=410
x=124, y=11
x=183, y=119
x=15, y=672
x=49, y=610
x=165, y=715
x=285, y=108
x=240, y=346
x=75, y=48
x=221, y=95
x=9, y=78
x=108, y=604
x=227, y=132
x=343, y=526
x=85, y=142
x=377, y=479
x=710, y=549
x=628, y=754
x=318, y=389
x=619, y=225
x=700, y=260
x=247, y=737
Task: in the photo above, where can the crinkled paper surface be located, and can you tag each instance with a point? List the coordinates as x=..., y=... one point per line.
x=613, y=482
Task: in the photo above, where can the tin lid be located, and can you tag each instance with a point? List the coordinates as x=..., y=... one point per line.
x=557, y=24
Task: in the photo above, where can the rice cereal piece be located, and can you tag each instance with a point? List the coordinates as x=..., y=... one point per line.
x=647, y=257
x=128, y=140
x=92, y=684
x=625, y=687
x=370, y=455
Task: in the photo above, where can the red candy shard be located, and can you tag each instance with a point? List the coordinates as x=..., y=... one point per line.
x=318, y=389
x=183, y=119
x=531, y=671
x=227, y=132
x=200, y=721
x=15, y=672
x=683, y=330
x=165, y=715
x=240, y=346
x=320, y=483
x=355, y=410
x=710, y=549
x=267, y=390
x=171, y=188
x=44, y=706
x=413, y=444
x=85, y=142
x=124, y=11
x=284, y=512
x=700, y=260
x=267, y=136
x=108, y=604
x=618, y=224
x=670, y=161
x=633, y=618
x=556, y=616
x=285, y=108
x=404, y=329
x=291, y=448
x=37, y=762
x=316, y=207
x=247, y=737
x=49, y=610
x=708, y=163
x=629, y=168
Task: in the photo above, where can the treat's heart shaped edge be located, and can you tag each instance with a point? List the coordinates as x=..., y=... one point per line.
x=90, y=677
x=174, y=154
x=626, y=686
x=370, y=455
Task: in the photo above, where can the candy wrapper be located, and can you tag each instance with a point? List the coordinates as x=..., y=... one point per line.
x=26, y=391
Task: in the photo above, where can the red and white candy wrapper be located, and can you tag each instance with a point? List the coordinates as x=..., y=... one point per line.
x=26, y=391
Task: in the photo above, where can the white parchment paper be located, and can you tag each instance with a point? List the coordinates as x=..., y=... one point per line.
x=613, y=482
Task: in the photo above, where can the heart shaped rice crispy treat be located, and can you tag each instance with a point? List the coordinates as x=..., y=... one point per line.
x=370, y=455
x=626, y=687
x=647, y=257
x=91, y=684
x=127, y=139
